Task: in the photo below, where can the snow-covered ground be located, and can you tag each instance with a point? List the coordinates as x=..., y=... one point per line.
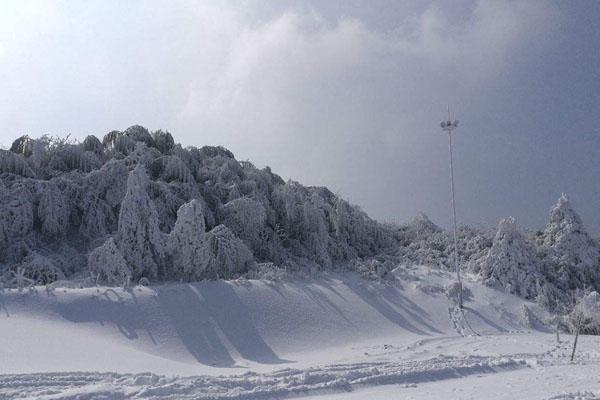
x=337, y=336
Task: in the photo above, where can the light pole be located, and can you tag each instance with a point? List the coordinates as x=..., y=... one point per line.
x=449, y=126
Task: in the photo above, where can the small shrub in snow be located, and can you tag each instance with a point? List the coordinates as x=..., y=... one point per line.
x=18, y=279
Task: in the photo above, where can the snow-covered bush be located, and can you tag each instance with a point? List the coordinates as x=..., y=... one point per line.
x=41, y=269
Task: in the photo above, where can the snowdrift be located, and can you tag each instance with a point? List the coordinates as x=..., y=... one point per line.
x=229, y=326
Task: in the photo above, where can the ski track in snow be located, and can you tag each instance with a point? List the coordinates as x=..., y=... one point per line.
x=282, y=383
x=577, y=396
x=335, y=378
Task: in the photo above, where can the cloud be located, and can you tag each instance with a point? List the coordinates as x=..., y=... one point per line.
x=329, y=102
x=339, y=103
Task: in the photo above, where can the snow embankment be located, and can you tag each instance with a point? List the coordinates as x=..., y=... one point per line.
x=230, y=327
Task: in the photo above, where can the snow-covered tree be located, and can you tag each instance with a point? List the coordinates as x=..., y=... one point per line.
x=93, y=144
x=187, y=243
x=54, y=208
x=585, y=317
x=139, y=134
x=511, y=263
x=163, y=141
x=246, y=218
x=97, y=218
x=14, y=164
x=61, y=198
x=421, y=226
x=107, y=265
x=138, y=237
x=572, y=258
x=108, y=183
x=118, y=144
x=16, y=218
x=171, y=168
x=227, y=256
x=22, y=145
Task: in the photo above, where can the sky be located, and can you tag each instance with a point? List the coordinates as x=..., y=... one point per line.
x=344, y=94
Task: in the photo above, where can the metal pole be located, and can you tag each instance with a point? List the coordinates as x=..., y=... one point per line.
x=456, y=266
x=449, y=126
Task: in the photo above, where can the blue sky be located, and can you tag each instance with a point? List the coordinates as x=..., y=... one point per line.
x=346, y=94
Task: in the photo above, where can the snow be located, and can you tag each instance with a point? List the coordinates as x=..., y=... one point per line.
x=332, y=336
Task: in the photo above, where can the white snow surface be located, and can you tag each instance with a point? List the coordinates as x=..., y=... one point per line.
x=337, y=336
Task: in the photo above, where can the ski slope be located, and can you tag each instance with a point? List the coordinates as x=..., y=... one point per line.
x=257, y=339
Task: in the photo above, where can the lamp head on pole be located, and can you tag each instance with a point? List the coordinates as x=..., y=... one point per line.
x=449, y=125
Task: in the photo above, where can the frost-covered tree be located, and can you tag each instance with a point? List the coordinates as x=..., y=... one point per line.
x=421, y=226
x=22, y=145
x=108, y=183
x=572, y=258
x=107, y=265
x=246, y=218
x=187, y=243
x=140, y=134
x=97, y=218
x=16, y=220
x=511, y=263
x=15, y=164
x=92, y=144
x=227, y=256
x=163, y=141
x=138, y=237
x=171, y=168
x=54, y=207
x=61, y=198
x=585, y=317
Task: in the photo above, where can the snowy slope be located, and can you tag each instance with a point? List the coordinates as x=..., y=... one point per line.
x=224, y=327
x=257, y=339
